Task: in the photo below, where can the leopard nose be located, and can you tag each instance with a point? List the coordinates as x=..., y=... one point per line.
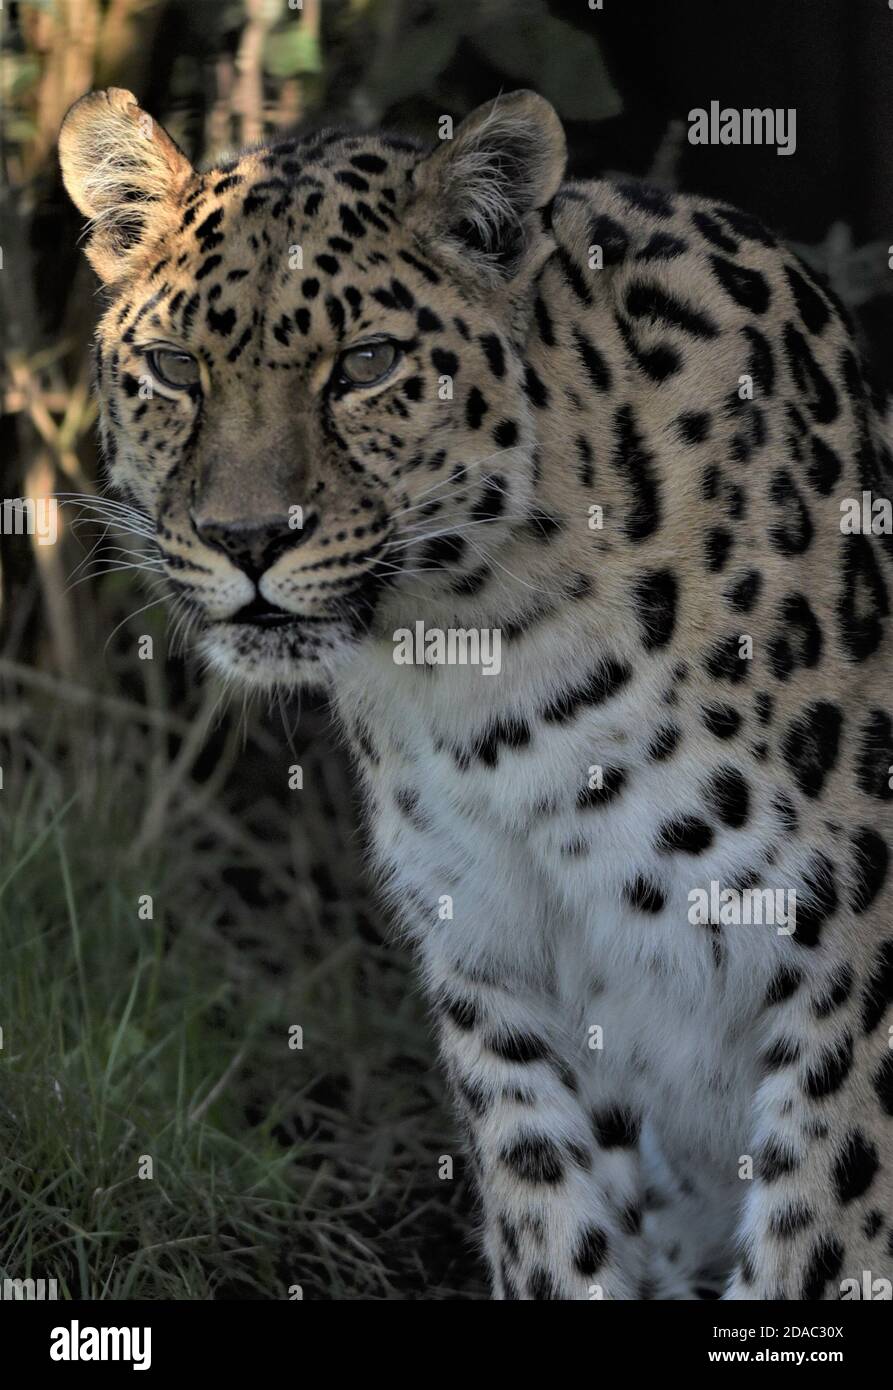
x=254, y=543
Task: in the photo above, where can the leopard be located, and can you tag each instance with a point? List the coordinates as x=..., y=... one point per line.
x=361, y=390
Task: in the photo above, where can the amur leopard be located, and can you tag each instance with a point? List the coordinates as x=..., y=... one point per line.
x=645, y=862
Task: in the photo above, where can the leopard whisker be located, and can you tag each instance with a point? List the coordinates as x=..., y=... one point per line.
x=537, y=588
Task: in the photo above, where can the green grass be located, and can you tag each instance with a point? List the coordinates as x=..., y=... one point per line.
x=128, y=1039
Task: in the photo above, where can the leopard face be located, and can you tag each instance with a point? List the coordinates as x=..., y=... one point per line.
x=310, y=368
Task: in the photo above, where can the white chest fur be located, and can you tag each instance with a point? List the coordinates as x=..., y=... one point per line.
x=481, y=793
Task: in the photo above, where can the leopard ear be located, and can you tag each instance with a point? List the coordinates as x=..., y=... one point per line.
x=125, y=173
x=484, y=189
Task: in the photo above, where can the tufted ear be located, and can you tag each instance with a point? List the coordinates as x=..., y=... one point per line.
x=125, y=173
x=483, y=190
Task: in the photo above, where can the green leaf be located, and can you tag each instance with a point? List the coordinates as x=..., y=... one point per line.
x=290, y=51
x=559, y=61
x=17, y=75
x=414, y=63
x=19, y=130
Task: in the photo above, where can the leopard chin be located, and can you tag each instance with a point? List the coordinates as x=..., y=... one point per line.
x=265, y=646
x=293, y=656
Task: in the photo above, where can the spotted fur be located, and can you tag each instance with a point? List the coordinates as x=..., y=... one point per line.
x=655, y=1106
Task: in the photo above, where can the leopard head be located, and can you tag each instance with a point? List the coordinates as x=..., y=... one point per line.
x=311, y=367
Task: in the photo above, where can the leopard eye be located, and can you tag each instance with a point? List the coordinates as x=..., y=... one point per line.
x=173, y=368
x=368, y=363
